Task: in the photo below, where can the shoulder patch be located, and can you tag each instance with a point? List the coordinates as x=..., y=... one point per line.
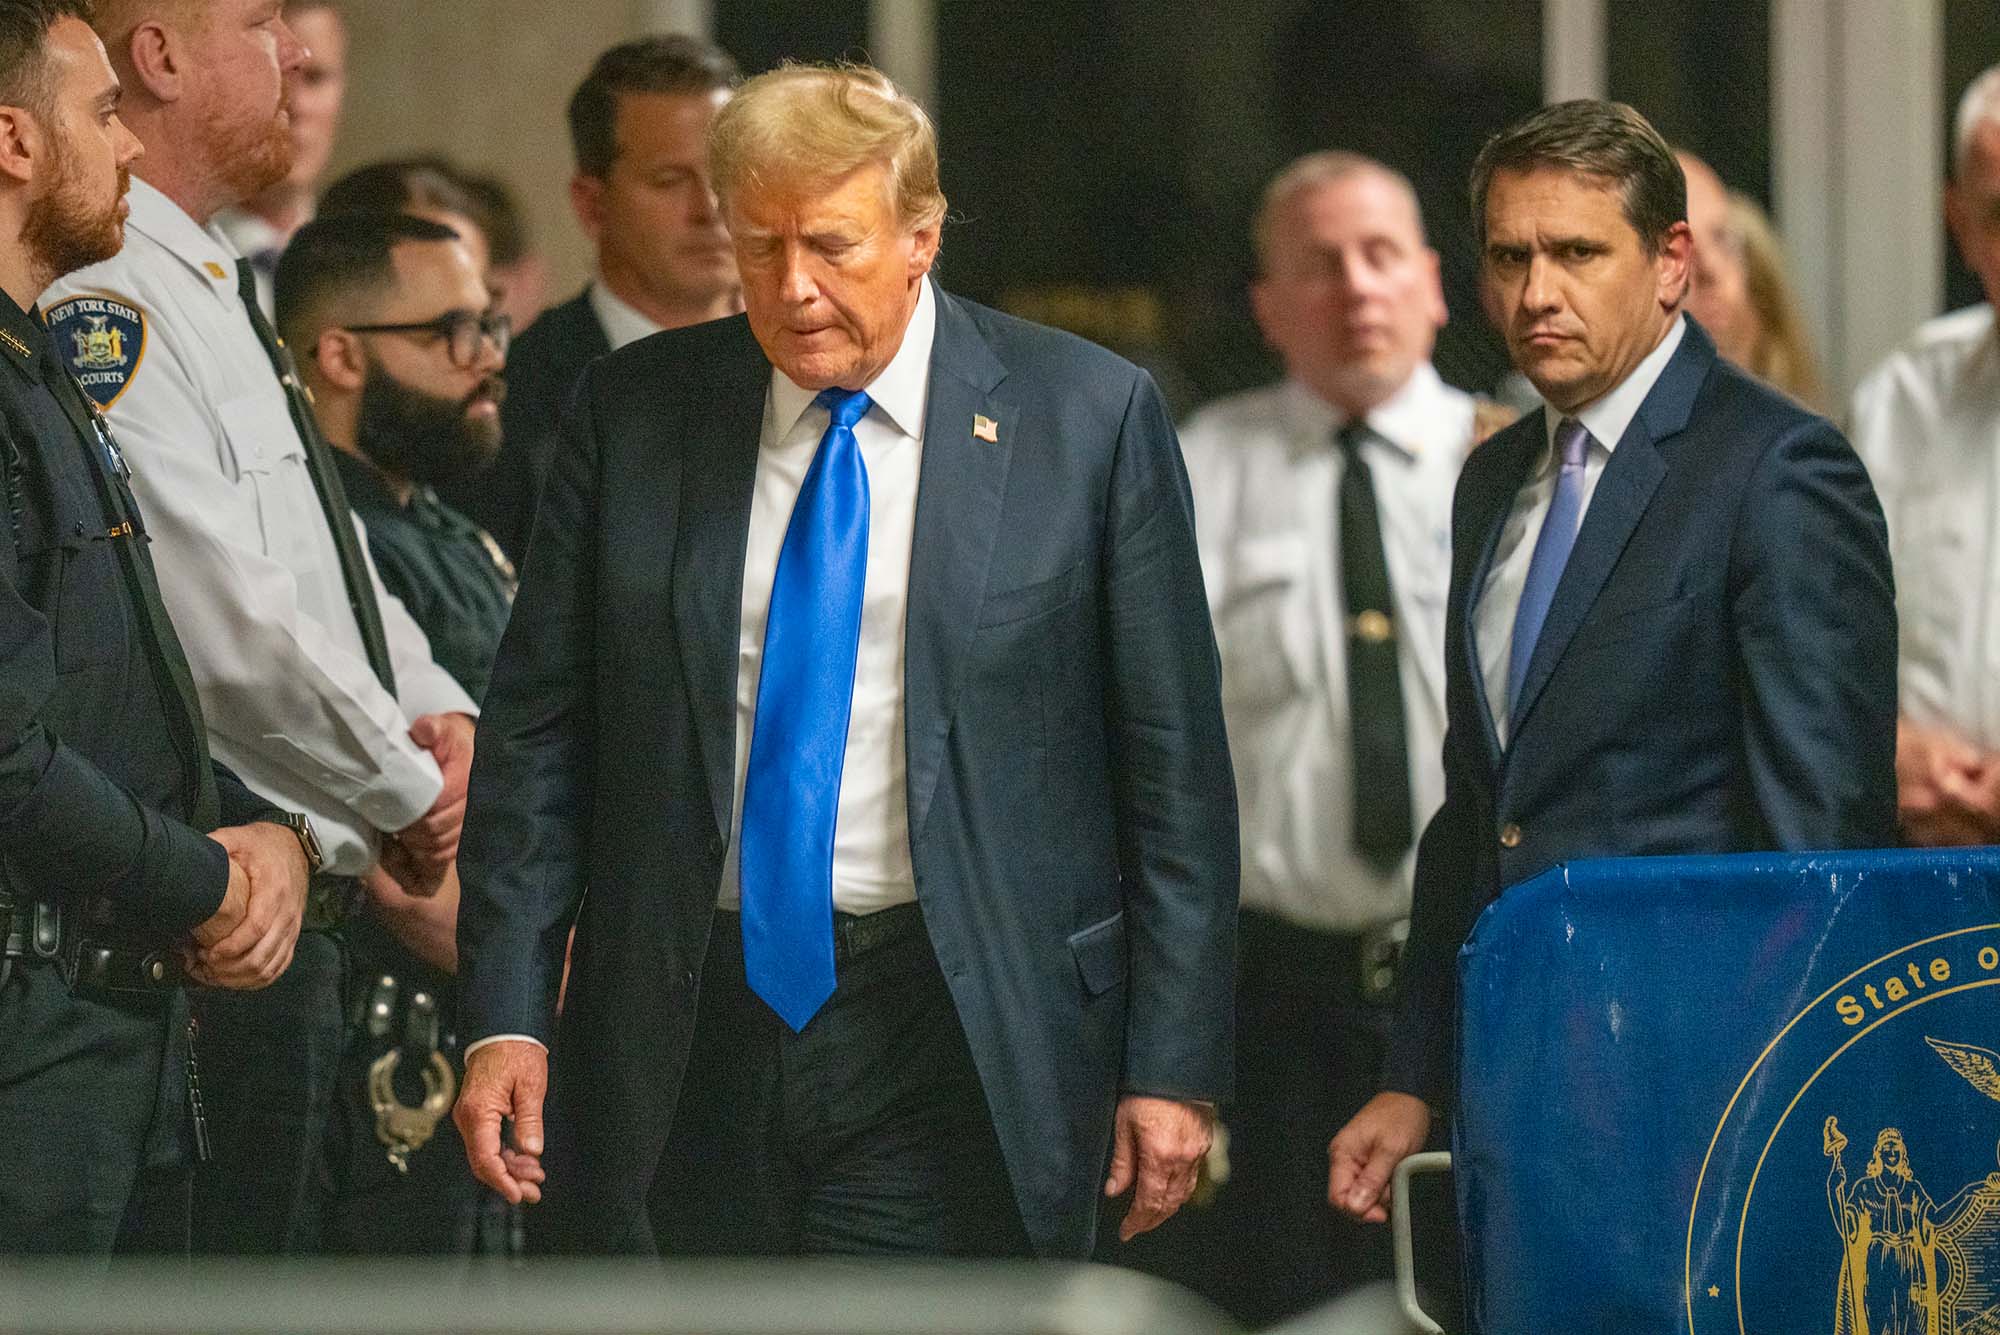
x=102, y=338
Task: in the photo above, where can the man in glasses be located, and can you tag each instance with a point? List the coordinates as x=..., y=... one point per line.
x=388, y=314
x=320, y=690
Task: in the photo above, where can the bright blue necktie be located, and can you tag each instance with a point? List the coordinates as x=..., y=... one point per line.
x=791, y=788
x=1552, y=550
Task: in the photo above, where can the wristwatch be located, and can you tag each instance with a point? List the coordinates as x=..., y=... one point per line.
x=296, y=822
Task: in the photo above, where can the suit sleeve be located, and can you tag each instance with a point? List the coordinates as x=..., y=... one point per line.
x=522, y=864
x=1174, y=792
x=1813, y=606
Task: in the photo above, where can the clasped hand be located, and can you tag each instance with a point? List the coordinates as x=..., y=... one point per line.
x=248, y=942
x=420, y=854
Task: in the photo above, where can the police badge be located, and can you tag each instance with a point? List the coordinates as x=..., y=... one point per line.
x=103, y=340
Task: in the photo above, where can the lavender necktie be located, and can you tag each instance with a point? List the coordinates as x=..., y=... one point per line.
x=1552, y=551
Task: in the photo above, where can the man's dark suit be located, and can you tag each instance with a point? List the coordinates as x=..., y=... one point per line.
x=1071, y=808
x=543, y=367
x=1717, y=672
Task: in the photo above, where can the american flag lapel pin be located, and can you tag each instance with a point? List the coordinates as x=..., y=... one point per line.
x=985, y=428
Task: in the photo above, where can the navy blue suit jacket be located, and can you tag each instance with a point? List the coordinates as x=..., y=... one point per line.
x=1717, y=672
x=1071, y=807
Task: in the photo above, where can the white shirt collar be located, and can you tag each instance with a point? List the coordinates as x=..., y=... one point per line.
x=1607, y=418
x=204, y=249
x=1407, y=421
x=898, y=392
x=623, y=323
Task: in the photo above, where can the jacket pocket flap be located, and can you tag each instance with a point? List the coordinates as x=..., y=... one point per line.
x=1100, y=954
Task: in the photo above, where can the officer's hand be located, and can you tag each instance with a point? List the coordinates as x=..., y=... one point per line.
x=1156, y=1152
x=420, y=880
x=229, y=915
x=508, y=1078
x=259, y=950
x=1363, y=1155
x=433, y=840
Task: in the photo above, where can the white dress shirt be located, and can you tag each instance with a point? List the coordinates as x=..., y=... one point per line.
x=871, y=839
x=246, y=563
x=1605, y=418
x=247, y=234
x=1266, y=472
x=1927, y=424
x=623, y=322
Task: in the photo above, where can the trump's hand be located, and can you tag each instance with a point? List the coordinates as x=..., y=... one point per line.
x=1363, y=1155
x=508, y=1078
x=432, y=841
x=1157, y=1147
x=1947, y=789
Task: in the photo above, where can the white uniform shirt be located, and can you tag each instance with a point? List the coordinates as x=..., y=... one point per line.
x=1266, y=472
x=871, y=839
x=1927, y=424
x=247, y=565
x=1605, y=419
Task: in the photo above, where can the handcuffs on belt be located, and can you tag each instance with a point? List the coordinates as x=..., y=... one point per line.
x=405, y=1128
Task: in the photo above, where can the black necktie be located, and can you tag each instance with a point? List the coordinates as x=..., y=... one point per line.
x=1383, y=825
x=142, y=586
x=326, y=481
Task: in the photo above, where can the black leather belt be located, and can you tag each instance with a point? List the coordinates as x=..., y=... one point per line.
x=858, y=933
x=1360, y=965
x=61, y=934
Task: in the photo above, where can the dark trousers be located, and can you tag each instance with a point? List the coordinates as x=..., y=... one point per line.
x=1310, y=1050
x=91, y=1113
x=866, y=1133
x=270, y=1063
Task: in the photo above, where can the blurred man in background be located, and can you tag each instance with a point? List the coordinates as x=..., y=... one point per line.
x=1323, y=508
x=1927, y=421
x=639, y=126
x=260, y=226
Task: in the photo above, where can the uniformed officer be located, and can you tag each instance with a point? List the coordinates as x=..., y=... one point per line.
x=390, y=314
x=321, y=690
x=108, y=888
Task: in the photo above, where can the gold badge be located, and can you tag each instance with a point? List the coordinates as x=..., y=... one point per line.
x=1373, y=627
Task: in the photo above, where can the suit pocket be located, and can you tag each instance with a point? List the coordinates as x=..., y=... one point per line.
x=1617, y=625
x=1031, y=600
x=1099, y=951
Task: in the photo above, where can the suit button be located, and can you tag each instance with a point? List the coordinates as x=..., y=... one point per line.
x=1510, y=836
x=715, y=845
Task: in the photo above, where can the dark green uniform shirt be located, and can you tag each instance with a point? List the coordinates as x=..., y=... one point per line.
x=455, y=582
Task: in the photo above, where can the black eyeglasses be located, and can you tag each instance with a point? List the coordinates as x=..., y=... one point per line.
x=462, y=331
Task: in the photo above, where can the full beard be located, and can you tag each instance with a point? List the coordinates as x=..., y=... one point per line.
x=422, y=438
x=67, y=229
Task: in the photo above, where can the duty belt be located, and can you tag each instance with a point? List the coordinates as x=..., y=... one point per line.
x=92, y=957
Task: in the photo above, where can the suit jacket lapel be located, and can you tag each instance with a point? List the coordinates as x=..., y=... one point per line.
x=1524, y=442
x=961, y=484
x=1616, y=506
x=718, y=473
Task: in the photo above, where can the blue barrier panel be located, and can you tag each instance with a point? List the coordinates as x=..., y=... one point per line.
x=1744, y=1095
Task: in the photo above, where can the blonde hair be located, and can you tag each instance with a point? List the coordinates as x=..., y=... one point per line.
x=1783, y=353
x=1310, y=173
x=811, y=125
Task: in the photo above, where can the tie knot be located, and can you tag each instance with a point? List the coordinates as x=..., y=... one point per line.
x=1350, y=436
x=847, y=406
x=1572, y=442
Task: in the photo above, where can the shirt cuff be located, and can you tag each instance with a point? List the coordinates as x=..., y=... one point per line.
x=479, y=1043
